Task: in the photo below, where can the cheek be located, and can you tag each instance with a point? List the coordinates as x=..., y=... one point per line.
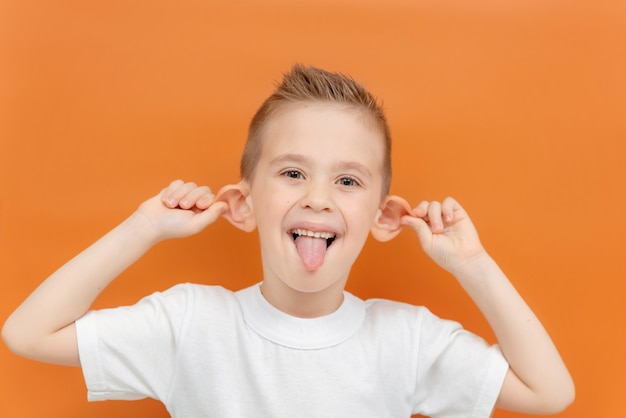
x=361, y=214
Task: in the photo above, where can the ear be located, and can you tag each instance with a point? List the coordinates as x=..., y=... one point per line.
x=387, y=223
x=239, y=212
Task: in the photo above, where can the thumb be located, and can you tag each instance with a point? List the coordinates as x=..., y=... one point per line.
x=421, y=229
x=205, y=218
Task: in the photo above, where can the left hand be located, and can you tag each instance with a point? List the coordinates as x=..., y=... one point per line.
x=446, y=233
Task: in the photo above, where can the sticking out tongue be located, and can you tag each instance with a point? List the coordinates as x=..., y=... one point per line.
x=312, y=251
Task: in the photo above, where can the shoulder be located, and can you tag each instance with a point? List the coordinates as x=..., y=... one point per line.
x=195, y=299
x=175, y=310
x=185, y=300
x=194, y=289
x=186, y=293
x=415, y=321
x=385, y=309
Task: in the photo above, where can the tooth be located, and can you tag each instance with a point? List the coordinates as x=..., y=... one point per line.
x=306, y=233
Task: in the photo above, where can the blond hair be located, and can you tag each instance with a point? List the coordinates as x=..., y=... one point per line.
x=311, y=84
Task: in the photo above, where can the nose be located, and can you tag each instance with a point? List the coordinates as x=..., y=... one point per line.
x=318, y=197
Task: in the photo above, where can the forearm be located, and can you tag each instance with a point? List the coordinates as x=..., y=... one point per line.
x=526, y=345
x=69, y=292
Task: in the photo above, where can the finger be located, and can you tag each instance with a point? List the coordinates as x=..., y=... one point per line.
x=448, y=208
x=166, y=193
x=205, y=200
x=434, y=217
x=421, y=210
x=200, y=197
x=173, y=186
x=176, y=191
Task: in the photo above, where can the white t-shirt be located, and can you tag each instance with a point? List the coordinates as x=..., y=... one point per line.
x=207, y=352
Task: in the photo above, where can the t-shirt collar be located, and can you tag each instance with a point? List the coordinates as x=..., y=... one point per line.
x=300, y=333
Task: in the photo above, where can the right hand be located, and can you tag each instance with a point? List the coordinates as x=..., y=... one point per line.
x=180, y=210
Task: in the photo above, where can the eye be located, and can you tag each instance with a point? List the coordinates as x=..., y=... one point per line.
x=348, y=182
x=293, y=174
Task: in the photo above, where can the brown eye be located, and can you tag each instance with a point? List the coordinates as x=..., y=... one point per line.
x=348, y=182
x=293, y=174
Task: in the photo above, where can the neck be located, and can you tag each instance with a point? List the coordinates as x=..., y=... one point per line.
x=303, y=304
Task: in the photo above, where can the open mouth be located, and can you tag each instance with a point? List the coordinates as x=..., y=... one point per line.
x=312, y=246
x=328, y=236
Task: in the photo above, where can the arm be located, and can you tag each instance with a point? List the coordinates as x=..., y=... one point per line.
x=538, y=381
x=42, y=327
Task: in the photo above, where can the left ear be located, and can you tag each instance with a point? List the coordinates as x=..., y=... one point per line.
x=387, y=223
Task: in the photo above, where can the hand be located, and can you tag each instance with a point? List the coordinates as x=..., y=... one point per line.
x=446, y=233
x=181, y=209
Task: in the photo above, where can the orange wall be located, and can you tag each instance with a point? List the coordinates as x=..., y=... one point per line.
x=518, y=109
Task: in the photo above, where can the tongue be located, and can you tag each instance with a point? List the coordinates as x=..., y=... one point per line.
x=312, y=251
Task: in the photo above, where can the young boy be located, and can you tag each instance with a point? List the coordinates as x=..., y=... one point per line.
x=315, y=179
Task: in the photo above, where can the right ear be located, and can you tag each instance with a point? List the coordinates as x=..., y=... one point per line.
x=239, y=212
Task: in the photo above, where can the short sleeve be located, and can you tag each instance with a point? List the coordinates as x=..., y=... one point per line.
x=129, y=352
x=459, y=374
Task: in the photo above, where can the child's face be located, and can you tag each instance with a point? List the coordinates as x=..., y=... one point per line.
x=320, y=171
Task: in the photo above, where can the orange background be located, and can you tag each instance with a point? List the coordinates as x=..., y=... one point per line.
x=516, y=108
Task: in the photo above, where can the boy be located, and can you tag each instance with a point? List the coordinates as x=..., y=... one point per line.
x=315, y=179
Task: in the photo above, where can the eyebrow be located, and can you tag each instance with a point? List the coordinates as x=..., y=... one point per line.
x=283, y=158
x=340, y=165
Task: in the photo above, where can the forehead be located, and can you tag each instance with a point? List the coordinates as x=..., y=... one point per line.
x=326, y=130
